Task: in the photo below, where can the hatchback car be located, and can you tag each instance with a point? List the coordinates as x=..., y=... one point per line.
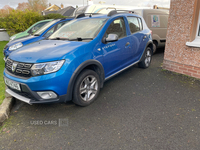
x=30, y=30
x=40, y=34
x=77, y=59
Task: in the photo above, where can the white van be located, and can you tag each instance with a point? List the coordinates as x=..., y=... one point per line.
x=157, y=21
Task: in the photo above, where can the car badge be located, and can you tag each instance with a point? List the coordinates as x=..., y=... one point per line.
x=14, y=66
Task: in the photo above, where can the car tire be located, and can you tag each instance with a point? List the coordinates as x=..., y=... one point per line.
x=146, y=61
x=86, y=88
x=155, y=44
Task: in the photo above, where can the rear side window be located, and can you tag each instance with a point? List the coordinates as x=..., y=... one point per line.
x=134, y=24
x=140, y=22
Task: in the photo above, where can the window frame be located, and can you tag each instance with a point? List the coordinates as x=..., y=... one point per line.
x=138, y=20
x=124, y=26
x=196, y=41
x=198, y=27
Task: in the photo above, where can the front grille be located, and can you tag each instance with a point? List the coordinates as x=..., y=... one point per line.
x=18, y=68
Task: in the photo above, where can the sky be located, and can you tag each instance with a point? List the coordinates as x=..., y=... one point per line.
x=161, y=3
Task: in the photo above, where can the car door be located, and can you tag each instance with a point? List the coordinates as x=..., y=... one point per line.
x=138, y=38
x=115, y=53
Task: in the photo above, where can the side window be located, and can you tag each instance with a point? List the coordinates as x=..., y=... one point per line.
x=117, y=27
x=140, y=22
x=61, y=24
x=133, y=24
x=36, y=27
x=50, y=32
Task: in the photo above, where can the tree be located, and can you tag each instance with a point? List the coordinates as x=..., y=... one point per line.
x=23, y=6
x=38, y=5
x=5, y=10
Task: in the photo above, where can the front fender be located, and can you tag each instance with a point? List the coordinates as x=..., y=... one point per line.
x=97, y=67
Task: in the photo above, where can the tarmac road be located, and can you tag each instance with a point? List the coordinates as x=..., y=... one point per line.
x=139, y=109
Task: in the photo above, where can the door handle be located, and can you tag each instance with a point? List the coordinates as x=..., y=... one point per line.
x=127, y=44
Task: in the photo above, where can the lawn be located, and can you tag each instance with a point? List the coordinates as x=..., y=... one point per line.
x=2, y=64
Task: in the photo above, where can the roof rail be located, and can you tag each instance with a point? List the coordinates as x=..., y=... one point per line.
x=113, y=12
x=67, y=18
x=80, y=15
x=84, y=15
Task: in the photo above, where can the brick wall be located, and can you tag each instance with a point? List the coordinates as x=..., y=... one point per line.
x=178, y=57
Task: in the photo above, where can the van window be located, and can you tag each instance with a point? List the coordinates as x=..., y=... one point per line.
x=133, y=24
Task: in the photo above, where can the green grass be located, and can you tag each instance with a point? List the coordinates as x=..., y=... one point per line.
x=2, y=64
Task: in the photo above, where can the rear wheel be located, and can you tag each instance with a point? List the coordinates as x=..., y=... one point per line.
x=86, y=88
x=145, y=63
x=155, y=44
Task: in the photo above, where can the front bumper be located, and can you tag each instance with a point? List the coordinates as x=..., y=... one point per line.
x=31, y=97
x=30, y=87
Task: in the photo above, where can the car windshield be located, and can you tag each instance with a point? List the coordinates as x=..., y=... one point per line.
x=79, y=29
x=42, y=29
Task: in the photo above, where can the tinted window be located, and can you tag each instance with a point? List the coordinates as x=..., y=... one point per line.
x=50, y=32
x=133, y=24
x=37, y=26
x=46, y=26
x=117, y=27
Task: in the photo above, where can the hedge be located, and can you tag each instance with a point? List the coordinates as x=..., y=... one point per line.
x=18, y=21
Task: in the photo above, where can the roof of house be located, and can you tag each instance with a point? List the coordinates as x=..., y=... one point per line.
x=67, y=11
x=53, y=7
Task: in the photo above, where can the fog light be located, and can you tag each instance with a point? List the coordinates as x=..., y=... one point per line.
x=47, y=95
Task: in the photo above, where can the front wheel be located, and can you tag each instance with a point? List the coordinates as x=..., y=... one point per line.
x=145, y=63
x=86, y=88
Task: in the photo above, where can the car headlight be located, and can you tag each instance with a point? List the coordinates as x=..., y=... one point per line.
x=45, y=68
x=12, y=38
x=16, y=46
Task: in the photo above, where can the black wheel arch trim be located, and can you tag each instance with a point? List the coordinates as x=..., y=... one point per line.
x=79, y=69
x=147, y=45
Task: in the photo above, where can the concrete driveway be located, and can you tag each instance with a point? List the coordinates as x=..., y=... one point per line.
x=139, y=109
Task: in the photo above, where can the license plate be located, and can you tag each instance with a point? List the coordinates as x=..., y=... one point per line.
x=12, y=84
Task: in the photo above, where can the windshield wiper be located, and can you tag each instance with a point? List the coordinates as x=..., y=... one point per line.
x=58, y=38
x=80, y=39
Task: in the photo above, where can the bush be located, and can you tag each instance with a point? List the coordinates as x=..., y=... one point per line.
x=18, y=21
x=53, y=16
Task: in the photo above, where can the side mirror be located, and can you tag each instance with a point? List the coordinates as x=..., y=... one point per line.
x=111, y=38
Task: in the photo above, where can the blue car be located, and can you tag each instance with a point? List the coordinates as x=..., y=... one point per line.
x=41, y=34
x=76, y=60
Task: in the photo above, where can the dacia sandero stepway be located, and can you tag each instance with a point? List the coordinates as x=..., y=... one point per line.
x=76, y=60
